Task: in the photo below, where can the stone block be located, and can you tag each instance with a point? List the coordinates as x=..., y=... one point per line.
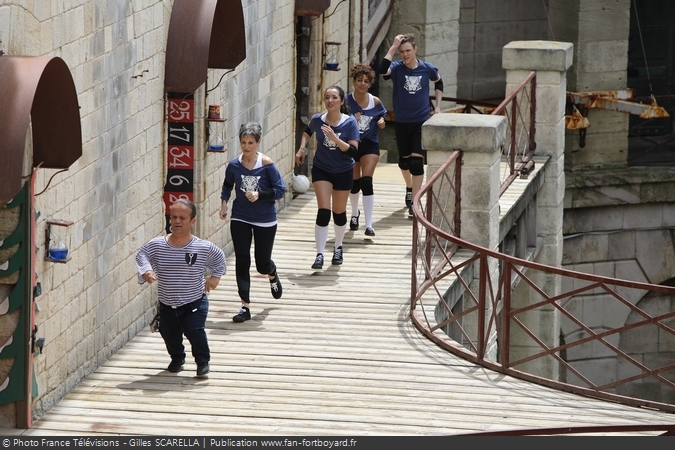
x=630, y=270
x=480, y=188
x=469, y=132
x=537, y=55
x=610, y=24
x=480, y=227
x=550, y=103
x=656, y=242
x=598, y=371
x=602, y=56
x=622, y=245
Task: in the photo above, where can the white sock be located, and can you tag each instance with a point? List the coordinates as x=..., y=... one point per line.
x=368, y=203
x=339, y=234
x=320, y=237
x=354, y=201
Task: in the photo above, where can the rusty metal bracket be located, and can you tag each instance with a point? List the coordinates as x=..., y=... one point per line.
x=618, y=101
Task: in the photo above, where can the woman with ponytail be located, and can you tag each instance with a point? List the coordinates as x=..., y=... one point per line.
x=337, y=139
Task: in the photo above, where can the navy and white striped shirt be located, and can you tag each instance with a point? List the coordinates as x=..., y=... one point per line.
x=180, y=270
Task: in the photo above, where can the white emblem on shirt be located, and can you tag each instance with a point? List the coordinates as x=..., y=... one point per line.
x=364, y=123
x=330, y=144
x=249, y=183
x=412, y=83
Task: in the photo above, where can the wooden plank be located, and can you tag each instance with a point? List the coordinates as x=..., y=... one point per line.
x=336, y=355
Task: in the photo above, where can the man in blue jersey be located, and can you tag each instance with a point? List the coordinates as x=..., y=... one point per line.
x=411, y=77
x=177, y=262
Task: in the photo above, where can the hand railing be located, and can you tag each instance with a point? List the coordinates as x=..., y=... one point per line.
x=507, y=314
x=519, y=108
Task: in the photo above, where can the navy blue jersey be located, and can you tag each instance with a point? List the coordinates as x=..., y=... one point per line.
x=262, y=177
x=369, y=117
x=411, y=90
x=329, y=157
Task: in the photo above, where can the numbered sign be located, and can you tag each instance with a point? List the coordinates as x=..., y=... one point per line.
x=180, y=151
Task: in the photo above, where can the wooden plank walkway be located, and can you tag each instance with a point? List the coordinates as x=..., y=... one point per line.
x=337, y=355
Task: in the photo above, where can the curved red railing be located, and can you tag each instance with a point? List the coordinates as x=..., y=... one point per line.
x=459, y=301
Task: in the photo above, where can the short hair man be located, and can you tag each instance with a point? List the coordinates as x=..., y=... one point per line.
x=177, y=262
x=411, y=77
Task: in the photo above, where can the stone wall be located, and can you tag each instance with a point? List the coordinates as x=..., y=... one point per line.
x=599, y=30
x=633, y=242
x=92, y=305
x=485, y=27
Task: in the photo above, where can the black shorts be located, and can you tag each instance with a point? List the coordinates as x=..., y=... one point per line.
x=340, y=181
x=367, y=148
x=409, y=138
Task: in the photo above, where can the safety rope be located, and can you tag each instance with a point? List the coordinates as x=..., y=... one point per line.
x=637, y=19
x=543, y=2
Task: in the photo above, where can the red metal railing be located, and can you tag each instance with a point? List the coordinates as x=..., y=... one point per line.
x=442, y=208
x=519, y=108
x=488, y=308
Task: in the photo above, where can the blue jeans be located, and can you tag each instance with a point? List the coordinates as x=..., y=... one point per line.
x=188, y=320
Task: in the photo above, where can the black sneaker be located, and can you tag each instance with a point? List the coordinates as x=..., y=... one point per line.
x=203, y=369
x=176, y=365
x=337, y=256
x=408, y=197
x=354, y=223
x=243, y=315
x=410, y=211
x=275, y=286
x=318, y=262
x=370, y=232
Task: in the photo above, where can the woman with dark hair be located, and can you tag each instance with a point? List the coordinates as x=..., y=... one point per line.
x=369, y=113
x=337, y=139
x=257, y=185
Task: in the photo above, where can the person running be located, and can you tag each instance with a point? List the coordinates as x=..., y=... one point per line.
x=411, y=77
x=257, y=184
x=369, y=112
x=337, y=138
x=177, y=262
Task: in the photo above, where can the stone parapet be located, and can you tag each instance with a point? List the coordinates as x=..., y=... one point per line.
x=537, y=55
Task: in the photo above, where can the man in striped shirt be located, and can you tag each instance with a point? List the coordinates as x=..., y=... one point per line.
x=178, y=262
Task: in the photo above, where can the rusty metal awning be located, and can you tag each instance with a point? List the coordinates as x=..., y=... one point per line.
x=621, y=101
x=38, y=90
x=311, y=7
x=202, y=35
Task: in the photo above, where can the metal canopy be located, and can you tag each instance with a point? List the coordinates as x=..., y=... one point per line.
x=202, y=34
x=311, y=7
x=38, y=90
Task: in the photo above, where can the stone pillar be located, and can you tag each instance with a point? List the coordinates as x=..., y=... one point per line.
x=599, y=31
x=480, y=137
x=550, y=60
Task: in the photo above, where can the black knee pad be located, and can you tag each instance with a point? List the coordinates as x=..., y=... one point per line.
x=416, y=165
x=367, y=185
x=403, y=163
x=340, y=219
x=323, y=217
x=356, y=186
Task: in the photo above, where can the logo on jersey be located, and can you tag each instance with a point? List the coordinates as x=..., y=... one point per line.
x=190, y=259
x=330, y=144
x=364, y=123
x=412, y=83
x=249, y=183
